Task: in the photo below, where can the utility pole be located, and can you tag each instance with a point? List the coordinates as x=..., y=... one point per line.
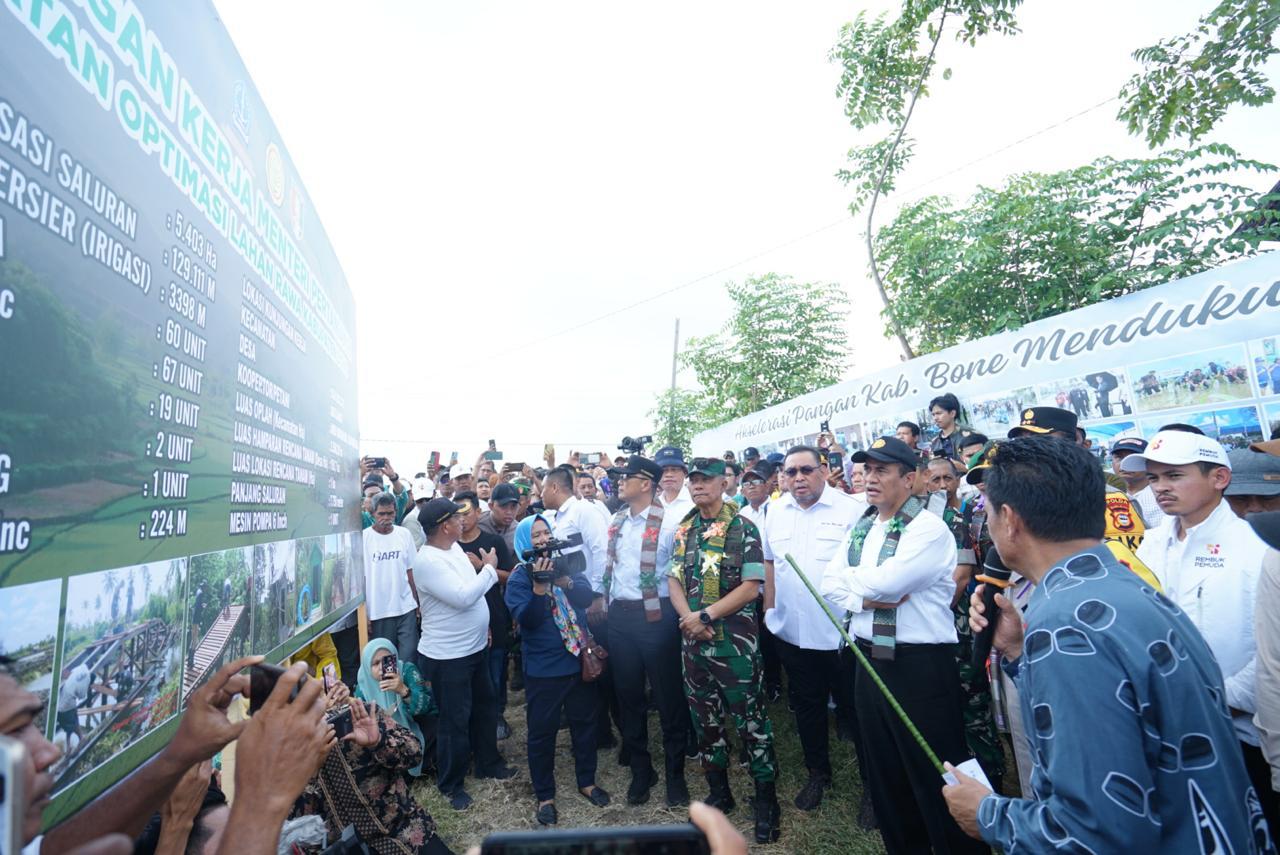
x=675, y=353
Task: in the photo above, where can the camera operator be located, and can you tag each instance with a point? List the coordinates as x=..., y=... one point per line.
x=574, y=516
x=550, y=606
x=455, y=633
x=362, y=782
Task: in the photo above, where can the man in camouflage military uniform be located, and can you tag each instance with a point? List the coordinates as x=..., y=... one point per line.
x=717, y=569
x=975, y=690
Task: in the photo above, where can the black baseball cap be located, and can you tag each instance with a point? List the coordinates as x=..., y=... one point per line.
x=761, y=469
x=505, y=494
x=1128, y=445
x=638, y=465
x=888, y=449
x=1045, y=420
x=751, y=453
x=437, y=511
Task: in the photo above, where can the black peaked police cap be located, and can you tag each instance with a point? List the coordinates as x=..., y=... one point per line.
x=437, y=511
x=888, y=449
x=1042, y=420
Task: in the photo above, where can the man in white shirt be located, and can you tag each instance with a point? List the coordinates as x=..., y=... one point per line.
x=1266, y=524
x=571, y=515
x=810, y=523
x=1137, y=486
x=643, y=633
x=588, y=492
x=673, y=494
x=455, y=633
x=390, y=599
x=1208, y=561
x=894, y=574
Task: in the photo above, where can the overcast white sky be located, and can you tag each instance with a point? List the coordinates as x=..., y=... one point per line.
x=494, y=173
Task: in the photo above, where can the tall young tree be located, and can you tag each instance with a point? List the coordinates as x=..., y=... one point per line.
x=784, y=338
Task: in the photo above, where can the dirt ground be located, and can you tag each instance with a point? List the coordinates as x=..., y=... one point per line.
x=510, y=805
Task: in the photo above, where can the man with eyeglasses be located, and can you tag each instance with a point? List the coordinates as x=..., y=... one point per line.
x=809, y=523
x=893, y=573
x=644, y=640
x=717, y=568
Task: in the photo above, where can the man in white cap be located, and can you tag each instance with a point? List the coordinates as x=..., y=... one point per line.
x=1208, y=561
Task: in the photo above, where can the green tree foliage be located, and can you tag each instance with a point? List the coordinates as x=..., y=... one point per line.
x=1189, y=81
x=885, y=69
x=783, y=339
x=1045, y=244
x=676, y=416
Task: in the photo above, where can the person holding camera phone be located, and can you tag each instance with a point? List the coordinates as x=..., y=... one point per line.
x=550, y=607
x=362, y=782
x=395, y=686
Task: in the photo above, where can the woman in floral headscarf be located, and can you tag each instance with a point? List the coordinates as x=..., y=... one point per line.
x=553, y=620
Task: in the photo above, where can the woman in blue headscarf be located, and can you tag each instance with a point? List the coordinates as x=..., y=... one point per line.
x=553, y=620
x=399, y=691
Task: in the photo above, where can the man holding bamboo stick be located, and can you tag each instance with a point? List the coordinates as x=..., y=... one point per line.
x=893, y=574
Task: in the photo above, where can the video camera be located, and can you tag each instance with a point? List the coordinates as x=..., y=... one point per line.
x=563, y=563
x=634, y=445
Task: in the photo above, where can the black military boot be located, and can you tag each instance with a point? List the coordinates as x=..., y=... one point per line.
x=720, y=796
x=768, y=813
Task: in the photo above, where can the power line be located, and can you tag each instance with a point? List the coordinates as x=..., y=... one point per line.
x=843, y=220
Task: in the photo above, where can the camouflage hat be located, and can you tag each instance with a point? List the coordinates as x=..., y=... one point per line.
x=712, y=467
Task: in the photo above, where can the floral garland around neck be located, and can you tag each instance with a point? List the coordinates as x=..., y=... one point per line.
x=711, y=553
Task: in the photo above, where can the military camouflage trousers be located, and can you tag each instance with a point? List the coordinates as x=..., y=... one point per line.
x=975, y=692
x=712, y=683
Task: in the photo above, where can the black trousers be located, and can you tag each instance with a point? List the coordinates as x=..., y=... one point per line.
x=347, y=642
x=768, y=651
x=468, y=718
x=1255, y=763
x=906, y=791
x=544, y=698
x=814, y=676
x=639, y=650
x=606, y=699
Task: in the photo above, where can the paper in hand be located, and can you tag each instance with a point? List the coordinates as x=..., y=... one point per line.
x=971, y=768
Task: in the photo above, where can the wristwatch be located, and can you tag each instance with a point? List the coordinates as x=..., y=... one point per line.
x=704, y=617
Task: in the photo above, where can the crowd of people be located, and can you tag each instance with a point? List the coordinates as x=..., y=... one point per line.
x=1131, y=695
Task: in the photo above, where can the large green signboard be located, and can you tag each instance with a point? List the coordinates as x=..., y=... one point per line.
x=178, y=473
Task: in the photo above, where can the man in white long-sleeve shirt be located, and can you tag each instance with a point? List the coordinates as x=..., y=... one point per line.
x=455, y=633
x=1208, y=561
x=893, y=572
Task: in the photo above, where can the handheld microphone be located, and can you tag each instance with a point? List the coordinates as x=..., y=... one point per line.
x=995, y=577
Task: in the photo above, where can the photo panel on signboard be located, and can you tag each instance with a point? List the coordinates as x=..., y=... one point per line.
x=121, y=661
x=219, y=614
x=995, y=414
x=1101, y=437
x=1205, y=377
x=28, y=636
x=850, y=437
x=1265, y=362
x=275, y=594
x=313, y=582
x=1098, y=395
x=336, y=567
x=1271, y=421
x=1234, y=427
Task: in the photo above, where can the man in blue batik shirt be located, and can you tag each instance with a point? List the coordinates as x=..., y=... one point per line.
x=1127, y=717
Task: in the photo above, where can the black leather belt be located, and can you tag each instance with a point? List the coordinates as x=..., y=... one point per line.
x=634, y=605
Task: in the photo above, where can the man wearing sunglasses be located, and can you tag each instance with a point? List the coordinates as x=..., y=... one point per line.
x=808, y=523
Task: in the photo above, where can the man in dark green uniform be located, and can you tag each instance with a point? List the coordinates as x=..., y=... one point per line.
x=717, y=569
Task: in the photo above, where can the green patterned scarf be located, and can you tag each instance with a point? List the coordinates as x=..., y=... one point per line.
x=884, y=622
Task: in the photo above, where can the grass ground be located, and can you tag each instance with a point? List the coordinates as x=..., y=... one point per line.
x=509, y=805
